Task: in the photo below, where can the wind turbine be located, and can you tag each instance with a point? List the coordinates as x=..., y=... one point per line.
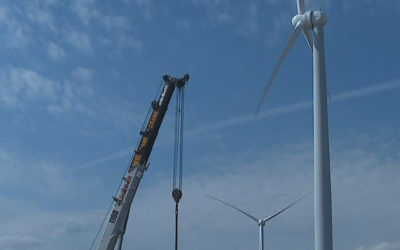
x=261, y=222
x=315, y=21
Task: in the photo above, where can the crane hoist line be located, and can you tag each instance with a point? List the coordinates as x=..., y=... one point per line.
x=117, y=218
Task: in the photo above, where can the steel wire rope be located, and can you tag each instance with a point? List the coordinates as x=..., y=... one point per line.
x=178, y=142
x=175, y=166
x=182, y=105
x=178, y=155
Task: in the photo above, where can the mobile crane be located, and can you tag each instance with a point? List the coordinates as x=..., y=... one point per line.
x=117, y=218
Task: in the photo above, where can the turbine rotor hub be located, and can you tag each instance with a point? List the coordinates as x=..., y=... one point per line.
x=304, y=19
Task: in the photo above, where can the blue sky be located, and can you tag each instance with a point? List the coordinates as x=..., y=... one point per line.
x=77, y=78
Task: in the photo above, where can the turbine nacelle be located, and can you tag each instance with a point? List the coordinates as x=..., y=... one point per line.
x=309, y=19
x=319, y=18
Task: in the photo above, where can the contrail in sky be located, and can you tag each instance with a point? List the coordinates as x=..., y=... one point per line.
x=237, y=120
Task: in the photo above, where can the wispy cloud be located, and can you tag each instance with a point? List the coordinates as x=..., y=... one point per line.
x=25, y=90
x=46, y=178
x=365, y=91
x=13, y=242
x=85, y=10
x=121, y=28
x=218, y=12
x=40, y=15
x=262, y=182
x=82, y=74
x=372, y=7
x=32, y=221
x=79, y=40
x=15, y=33
x=346, y=95
x=250, y=24
x=22, y=87
x=42, y=229
x=242, y=119
x=102, y=159
x=19, y=85
x=84, y=26
x=55, y=52
x=183, y=25
x=277, y=31
x=382, y=246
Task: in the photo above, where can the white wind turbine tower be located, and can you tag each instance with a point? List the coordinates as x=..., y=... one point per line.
x=315, y=21
x=261, y=222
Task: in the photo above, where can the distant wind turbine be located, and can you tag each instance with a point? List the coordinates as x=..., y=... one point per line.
x=261, y=222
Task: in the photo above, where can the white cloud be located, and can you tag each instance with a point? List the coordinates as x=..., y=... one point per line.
x=84, y=24
x=242, y=119
x=85, y=10
x=345, y=95
x=25, y=90
x=15, y=33
x=16, y=242
x=112, y=22
x=369, y=90
x=73, y=97
x=255, y=18
x=82, y=74
x=33, y=214
x=183, y=25
x=134, y=43
x=39, y=15
x=372, y=7
x=78, y=40
x=46, y=178
x=263, y=181
x=19, y=85
x=45, y=229
x=55, y=52
x=382, y=246
x=219, y=12
x=140, y=2
x=278, y=29
x=260, y=181
x=23, y=87
x=145, y=6
x=121, y=28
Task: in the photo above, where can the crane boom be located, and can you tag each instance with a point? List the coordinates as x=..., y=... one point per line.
x=117, y=218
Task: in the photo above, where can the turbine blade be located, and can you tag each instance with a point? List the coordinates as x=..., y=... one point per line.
x=285, y=208
x=232, y=206
x=289, y=45
x=300, y=6
x=307, y=35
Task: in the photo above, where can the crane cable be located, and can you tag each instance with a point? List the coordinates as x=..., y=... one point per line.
x=178, y=155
